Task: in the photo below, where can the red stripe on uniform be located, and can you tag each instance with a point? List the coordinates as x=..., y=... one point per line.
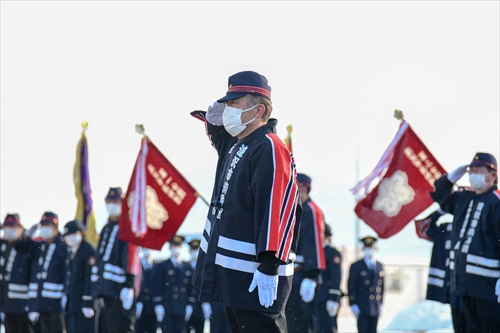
x=319, y=229
x=281, y=204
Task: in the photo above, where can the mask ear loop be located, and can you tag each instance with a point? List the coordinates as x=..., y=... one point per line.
x=250, y=108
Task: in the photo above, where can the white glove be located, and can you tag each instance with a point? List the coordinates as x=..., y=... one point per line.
x=332, y=308
x=456, y=174
x=127, y=297
x=207, y=310
x=268, y=287
x=160, y=313
x=88, y=312
x=381, y=310
x=138, y=310
x=189, y=312
x=33, y=316
x=307, y=288
x=2, y=316
x=214, y=114
x=355, y=310
x=497, y=290
x=64, y=299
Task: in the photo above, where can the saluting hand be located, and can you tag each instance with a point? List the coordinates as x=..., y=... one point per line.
x=214, y=113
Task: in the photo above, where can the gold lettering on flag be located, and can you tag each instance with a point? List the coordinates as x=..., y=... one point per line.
x=173, y=190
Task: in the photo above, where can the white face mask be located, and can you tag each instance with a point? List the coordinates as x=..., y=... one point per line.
x=194, y=254
x=114, y=209
x=369, y=252
x=478, y=181
x=231, y=118
x=10, y=234
x=73, y=240
x=46, y=233
x=176, y=252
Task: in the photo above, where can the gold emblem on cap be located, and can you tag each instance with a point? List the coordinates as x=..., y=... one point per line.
x=230, y=86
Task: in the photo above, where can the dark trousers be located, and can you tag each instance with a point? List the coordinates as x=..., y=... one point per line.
x=78, y=323
x=218, y=320
x=245, y=321
x=50, y=323
x=146, y=323
x=197, y=320
x=325, y=323
x=459, y=322
x=300, y=316
x=367, y=324
x=113, y=318
x=481, y=315
x=173, y=323
x=18, y=323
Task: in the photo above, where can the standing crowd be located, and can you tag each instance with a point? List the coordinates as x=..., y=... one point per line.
x=265, y=261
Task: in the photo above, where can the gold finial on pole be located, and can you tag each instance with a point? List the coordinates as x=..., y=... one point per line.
x=139, y=128
x=85, y=125
x=399, y=115
x=289, y=129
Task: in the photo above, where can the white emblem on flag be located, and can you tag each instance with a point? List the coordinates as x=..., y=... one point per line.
x=156, y=213
x=393, y=193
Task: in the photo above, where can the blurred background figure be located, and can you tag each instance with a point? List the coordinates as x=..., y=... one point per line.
x=146, y=318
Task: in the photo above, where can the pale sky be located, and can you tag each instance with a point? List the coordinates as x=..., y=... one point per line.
x=337, y=71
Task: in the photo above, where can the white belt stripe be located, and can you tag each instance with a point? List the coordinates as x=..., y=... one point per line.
x=334, y=291
x=51, y=294
x=437, y=272
x=207, y=226
x=236, y=245
x=114, y=269
x=492, y=263
x=113, y=277
x=32, y=294
x=53, y=286
x=94, y=278
x=87, y=298
x=18, y=287
x=435, y=282
x=248, y=266
x=95, y=269
x=14, y=295
x=33, y=286
x=482, y=271
x=204, y=244
x=447, y=244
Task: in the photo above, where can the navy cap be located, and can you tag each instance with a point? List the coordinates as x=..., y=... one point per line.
x=11, y=220
x=73, y=226
x=248, y=82
x=49, y=218
x=177, y=240
x=368, y=240
x=328, y=230
x=115, y=193
x=304, y=180
x=485, y=159
x=194, y=244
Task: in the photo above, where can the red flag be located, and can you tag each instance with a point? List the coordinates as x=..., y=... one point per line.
x=403, y=191
x=157, y=201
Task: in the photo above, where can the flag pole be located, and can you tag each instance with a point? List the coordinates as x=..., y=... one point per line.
x=202, y=199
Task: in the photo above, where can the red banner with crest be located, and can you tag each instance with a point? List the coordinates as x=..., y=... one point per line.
x=157, y=201
x=402, y=191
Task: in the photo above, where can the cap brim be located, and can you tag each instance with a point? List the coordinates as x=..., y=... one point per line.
x=231, y=96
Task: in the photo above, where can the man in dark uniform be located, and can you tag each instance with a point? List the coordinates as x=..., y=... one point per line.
x=146, y=318
x=249, y=241
x=80, y=304
x=366, y=287
x=172, y=287
x=309, y=262
x=201, y=311
x=328, y=294
x=112, y=282
x=438, y=283
x=14, y=277
x=475, y=264
x=46, y=309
